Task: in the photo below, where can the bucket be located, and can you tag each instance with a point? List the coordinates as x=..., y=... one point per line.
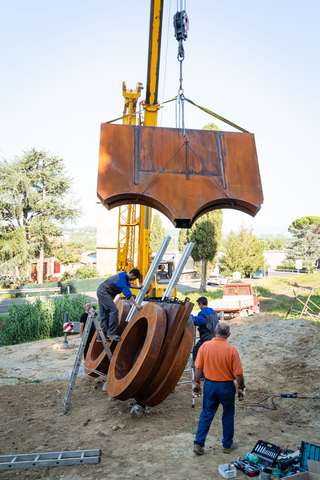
x=265, y=473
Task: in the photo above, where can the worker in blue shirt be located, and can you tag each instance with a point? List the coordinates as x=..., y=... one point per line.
x=206, y=321
x=106, y=293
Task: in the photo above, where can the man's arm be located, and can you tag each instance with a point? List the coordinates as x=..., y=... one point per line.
x=240, y=381
x=138, y=287
x=124, y=285
x=131, y=299
x=199, y=319
x=197, y=374
x=81, y=329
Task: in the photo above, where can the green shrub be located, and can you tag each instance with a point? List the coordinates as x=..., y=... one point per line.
x=87, y=272
x=39, y=320
x=66, y=276
x=5, y=284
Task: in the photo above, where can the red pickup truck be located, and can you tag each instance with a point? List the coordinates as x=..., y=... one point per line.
x=238, y=299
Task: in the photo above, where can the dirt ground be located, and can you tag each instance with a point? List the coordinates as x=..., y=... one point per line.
x=278, y=356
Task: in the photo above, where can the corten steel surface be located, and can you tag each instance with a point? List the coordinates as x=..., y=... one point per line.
x=96, y=356
x=174, y=371
x=222, y=167
x=175, y=329
x=137, y=352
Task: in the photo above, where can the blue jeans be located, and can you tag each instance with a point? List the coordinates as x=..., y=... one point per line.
x=215, y=393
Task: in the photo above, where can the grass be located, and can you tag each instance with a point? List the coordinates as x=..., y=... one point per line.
x=276, y=294
x=39, y=320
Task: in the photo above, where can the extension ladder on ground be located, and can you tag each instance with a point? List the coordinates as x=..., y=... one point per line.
x=50, y=459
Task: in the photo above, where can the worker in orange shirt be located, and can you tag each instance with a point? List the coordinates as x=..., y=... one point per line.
x=221, y=365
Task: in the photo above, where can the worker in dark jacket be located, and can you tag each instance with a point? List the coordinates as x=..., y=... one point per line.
x=206, y=321
x=106, y=293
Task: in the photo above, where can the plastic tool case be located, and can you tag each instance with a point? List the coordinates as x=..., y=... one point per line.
x=267, y=453
x=308, y=451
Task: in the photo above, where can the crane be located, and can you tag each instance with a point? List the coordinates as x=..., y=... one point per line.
x=134, y=226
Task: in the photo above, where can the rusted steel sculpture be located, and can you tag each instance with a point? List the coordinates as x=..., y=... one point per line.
x=96, y=357
x=137, y=352
x=155, y=167
x=151, y=355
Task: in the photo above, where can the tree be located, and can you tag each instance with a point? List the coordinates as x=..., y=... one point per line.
x=67, y=252
x=277, y=244
x=302, y=222
x=306, y=244
x=243, y=252
x=157, y=233
x=206, y=233
x=182, y=239
x=211, y=126
x=35, y=197
x=15, y=250
x=269, y=244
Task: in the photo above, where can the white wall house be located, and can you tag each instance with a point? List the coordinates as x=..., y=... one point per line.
x=274, y=258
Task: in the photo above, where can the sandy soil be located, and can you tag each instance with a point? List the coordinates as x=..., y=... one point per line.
x=279, y=356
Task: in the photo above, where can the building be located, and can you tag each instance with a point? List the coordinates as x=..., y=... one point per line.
x=274, y=258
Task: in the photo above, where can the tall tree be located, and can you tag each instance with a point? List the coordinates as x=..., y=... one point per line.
x=182, y=239
x=206, y=234
x=306, y=244
x=35, y=196
x=243, y=252
x=302, y=222
x=157, y=233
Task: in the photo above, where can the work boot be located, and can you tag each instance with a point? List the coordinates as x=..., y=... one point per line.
x=98, y=339
x=230, y=449
x=116, y=338
x=198, y=449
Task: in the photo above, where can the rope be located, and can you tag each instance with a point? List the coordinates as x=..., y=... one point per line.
x=140, y=111
x=217, y=116
x=158, y=173
x=210, y=174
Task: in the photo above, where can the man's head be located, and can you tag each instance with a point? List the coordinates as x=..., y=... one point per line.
x=134, y=274
x=202, y=302
x=162, y=268
x=86, y=306
x=222, y=330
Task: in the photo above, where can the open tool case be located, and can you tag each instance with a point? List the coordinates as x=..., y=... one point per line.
x=308, y=451
x=267, y=453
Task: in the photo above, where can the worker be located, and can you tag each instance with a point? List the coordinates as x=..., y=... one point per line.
x=83, y=320
x=206, y=321
x=161, y=273
x=106, y=293
x=220, y=363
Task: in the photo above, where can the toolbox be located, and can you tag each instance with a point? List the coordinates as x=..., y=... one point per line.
x=308, y=451
x=267, y=453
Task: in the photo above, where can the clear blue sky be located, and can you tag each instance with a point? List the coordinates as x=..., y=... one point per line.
x=255, y=63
